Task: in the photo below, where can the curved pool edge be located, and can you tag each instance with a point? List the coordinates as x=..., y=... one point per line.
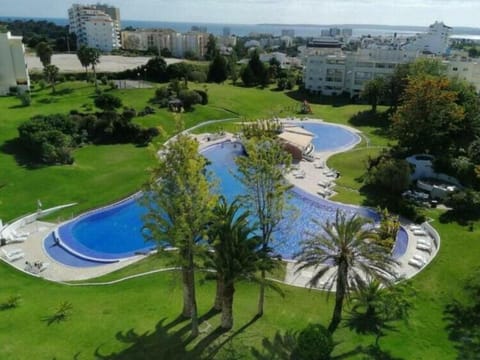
x=296, y=188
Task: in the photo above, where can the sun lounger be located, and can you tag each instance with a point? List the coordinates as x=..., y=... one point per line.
x=415, y=263
x=15, y=237
x=419, y=233
x=424, y=247
x=20, y=234
x=324, y=184
x=420, y=258
x=13, y=254
x=424, y=241
x=415, y=227
x=318, y=166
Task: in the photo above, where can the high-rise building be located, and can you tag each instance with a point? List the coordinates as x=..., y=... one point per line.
x=96, y=26
x=13, y=68
x=143, y=39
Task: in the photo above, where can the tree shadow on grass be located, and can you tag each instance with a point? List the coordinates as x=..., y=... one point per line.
x=463, y=321
x=282, y=347
x=335, y=101
x=159, y=344
x=22, y=157
x=374, y=352
x=169, y=341
x=462, y=218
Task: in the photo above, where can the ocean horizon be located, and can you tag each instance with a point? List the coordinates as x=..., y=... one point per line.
x=303, y=30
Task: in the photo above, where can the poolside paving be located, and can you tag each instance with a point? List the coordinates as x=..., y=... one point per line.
x=34, y=249
x=34, y=252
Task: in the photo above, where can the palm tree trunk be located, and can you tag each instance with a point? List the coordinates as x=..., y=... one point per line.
x=219, y=294
x=339, y=297
x=189, y=298
x=95, y=77
x=261, y=298
x=227, y=306
x=187, y=295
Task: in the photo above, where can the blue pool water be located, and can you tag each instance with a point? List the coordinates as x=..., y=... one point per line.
x=330, y=137
x=115, y=232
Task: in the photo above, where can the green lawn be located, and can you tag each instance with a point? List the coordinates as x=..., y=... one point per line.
x=136, y=319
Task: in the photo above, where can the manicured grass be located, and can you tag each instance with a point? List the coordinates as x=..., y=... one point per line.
x=131, y=319
x=352, y=166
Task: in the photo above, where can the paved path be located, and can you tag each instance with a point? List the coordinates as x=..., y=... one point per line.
x=108, y=63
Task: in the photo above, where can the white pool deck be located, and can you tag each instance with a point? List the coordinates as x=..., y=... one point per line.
x=37, y=231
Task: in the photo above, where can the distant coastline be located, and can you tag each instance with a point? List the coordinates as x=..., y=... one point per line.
x=304, y=30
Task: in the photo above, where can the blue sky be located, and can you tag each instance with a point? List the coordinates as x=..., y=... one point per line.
x=388, y=12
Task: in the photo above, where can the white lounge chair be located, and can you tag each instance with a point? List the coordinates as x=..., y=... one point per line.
x=415, y=263
x=424, y=247
x=13, y=254
x=415, y=227
x=324, y=184
x=318, y=166
x=15, y=237
x=424, y=241
x=299, y=174
x=420, y=258
x=419, y=233
x=19, y=234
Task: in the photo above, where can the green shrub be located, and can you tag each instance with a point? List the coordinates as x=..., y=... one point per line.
x=204, y=96
x=11, y=303
x=314, y=343
x=25, y=98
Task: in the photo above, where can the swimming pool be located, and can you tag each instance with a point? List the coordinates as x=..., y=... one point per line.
x=115, y=232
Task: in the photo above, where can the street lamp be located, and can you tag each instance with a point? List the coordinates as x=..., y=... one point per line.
x=138, y=76
x=144, y=76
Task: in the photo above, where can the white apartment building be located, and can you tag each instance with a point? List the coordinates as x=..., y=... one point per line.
x=465, y=69
x=96, y=26
x=333, y=74
x=435, y=41
x=144, y=39
x=13, y=68
x=177, y=43
x=332, y=71
x=196, y=42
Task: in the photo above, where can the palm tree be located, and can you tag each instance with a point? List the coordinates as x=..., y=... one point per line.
x=234, y=255
x=374, y=91
x=84, y=58
x=93, y=56
x=51, y=73
x=44, y=52
x=346, y=246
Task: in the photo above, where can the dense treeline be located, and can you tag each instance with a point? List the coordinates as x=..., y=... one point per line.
x=50, y=139
x=157, y=70
x=433, y=114
x=35, y=32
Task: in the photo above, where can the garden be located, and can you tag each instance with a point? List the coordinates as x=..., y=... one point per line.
x=139, y=318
